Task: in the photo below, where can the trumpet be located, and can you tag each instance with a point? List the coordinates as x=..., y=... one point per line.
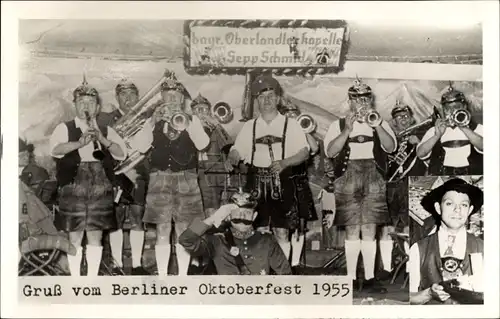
x=307, y=123
x=459, y=117
x=222, y=112
x=97, y=153
x=179, y=121
x=370, y=117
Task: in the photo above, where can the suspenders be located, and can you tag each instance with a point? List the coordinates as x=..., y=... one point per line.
x=283, y=140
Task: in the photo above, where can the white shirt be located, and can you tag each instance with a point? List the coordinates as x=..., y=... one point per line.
x=454, y=157
x=295, y=140
x=358, y=150
x=60, y=135
x=458, y=247
x=195, y=129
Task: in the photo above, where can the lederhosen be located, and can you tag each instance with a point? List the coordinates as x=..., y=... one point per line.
x=360, y=185
x=475, y=158
x=431, y=262
x=276, y=211
x=173, y=190
x=85, y=189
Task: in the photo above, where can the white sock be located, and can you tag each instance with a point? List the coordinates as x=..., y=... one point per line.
x=386, y=253
x=162, y=253
x=407, y=251
x=94, y=256
x=352, y=249
x=136, y=244
x=286, y=247
x=183, y=259
x=369, y=250
x=297, y=246
x=74, y=262
x=116, y=243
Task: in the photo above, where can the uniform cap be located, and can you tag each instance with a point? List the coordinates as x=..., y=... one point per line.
x=264, y=83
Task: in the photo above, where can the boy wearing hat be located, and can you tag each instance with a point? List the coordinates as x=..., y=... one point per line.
x=445, y=254
x=173, y=189
x=357, y=149
x=132, y=208
x=274, y=147
x=453, y=149
x=239, y=250
x=85, y=183
x=397, y=190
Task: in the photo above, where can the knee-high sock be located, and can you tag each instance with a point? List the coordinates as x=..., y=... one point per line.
x=369, y=250
x=297, y=246
x=94, y=256
x=136, y=244
x=286, y=247
x=352, y=249
x=407, y=251
x=74, y=262
x=116, y=243
x=183, y=259
x=386, y=253
x=162, y=253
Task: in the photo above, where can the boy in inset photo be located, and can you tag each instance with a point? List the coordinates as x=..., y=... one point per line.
x=447, y=253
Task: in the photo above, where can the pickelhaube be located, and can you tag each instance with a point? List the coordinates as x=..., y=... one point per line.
x=401, y=107
x=200, y=99
x=452, y=95
x=85, y=89
x=359, y=89
x=243, y=200
x=25, y=147
x=265, y=82
x=172, y=84
x=125, y=84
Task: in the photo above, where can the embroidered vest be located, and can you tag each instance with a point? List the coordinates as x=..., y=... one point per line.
x=475, y=158
x=67, y=167
x=430, y=259
x=178, y=155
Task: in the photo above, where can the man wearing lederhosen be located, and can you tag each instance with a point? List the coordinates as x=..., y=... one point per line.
x=85, y=183
x=130, y=207
x=453, y=148
x=173, y=190
x=273, y=146
x=397, y=189
x=360, y=187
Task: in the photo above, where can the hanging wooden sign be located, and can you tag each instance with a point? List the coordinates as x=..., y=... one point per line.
x=253, y=46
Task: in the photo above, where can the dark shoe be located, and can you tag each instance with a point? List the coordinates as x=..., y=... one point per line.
x=116, y=270
x=140, y=271
x=384, y=276
x=374, y=286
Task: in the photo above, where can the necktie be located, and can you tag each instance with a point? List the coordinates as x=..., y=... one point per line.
x=449, y=250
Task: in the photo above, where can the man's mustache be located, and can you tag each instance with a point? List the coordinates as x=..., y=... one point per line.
x=242, y=221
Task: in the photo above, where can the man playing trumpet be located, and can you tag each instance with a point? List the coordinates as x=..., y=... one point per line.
x=273, y=146
x=173, y=190
x=357, y=144
x=84, y=154
x=454, y=145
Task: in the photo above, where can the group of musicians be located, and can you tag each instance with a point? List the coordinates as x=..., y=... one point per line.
x=264, y=223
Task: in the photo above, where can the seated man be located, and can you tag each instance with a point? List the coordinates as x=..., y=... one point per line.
x=445, y=254
x=240, y=250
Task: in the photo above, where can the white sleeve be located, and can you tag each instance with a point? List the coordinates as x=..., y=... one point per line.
x=59, y=136
x=385, y=125
x=115, y=138
x=243, y=141
x=479, y=131
x=295, y=138
x=143, y=140
x=414, y=266
x=430, y=133
x=332, y=133
x=197, y=133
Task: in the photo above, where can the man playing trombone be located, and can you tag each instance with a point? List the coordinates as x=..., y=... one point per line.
x=454, y=145
x=273, y=146
x=357, y=145
x=173, y=190
x=84, y=154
